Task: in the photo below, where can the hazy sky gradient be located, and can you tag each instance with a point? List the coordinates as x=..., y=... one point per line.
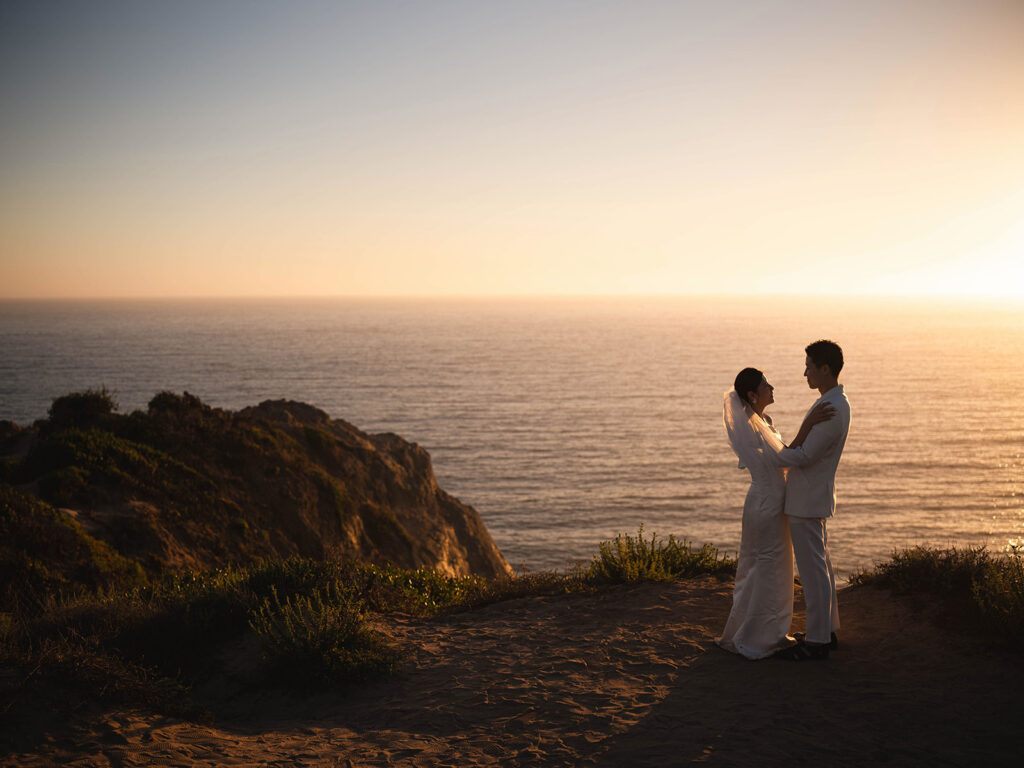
x=273, y=148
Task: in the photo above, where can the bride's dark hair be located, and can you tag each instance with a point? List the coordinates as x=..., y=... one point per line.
x=747, y=380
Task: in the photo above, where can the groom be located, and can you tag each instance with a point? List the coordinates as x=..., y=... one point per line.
x=811, y=500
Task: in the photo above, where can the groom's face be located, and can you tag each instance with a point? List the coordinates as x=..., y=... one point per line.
x=813, y=373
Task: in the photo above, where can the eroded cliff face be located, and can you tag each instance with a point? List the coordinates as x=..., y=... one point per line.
x=401, y=515
x=187, y=485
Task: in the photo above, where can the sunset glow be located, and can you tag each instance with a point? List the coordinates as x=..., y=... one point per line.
x=457, y=148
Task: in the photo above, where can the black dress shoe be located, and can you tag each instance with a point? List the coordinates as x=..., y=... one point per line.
x=803, y=652
x=833, y=642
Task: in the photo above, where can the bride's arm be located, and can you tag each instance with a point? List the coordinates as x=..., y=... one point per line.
x=821, y=412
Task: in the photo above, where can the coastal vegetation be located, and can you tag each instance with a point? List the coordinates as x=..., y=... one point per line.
x=986, y=588
x=314, y=621
x=632, y=558
x=317, y=623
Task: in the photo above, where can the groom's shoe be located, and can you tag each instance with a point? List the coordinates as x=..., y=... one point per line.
x=803, y=652
x=833, y=642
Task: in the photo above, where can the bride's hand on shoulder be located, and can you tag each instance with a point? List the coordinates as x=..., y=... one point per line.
x=821, y=412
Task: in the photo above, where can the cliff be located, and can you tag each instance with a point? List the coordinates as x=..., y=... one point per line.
x=186, y=485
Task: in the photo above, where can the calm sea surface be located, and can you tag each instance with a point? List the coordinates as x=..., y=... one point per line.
x=564, y=422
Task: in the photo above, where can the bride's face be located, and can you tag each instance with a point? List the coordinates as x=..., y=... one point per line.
x=765, y=394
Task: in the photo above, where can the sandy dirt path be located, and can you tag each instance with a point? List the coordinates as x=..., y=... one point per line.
x=626, y=677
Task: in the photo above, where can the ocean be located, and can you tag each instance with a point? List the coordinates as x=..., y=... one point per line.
x=567, y=421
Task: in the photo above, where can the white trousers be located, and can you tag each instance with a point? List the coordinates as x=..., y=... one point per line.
x=810, y=547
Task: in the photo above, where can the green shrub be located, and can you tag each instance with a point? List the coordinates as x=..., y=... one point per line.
x=176, y=625
x=999, y=595
x=101, y=452
x=174, y=403
x=65, y=487
x=629, y=559
x=321, y=637
x=525, y=585
x=81, y=409
x=928, y=569
x=383, y=589
x=294, y=576
x=71, y=660
x=90, y=467
x=423, y=590
x=45, y=554
x=989, y=586
x=150, y=643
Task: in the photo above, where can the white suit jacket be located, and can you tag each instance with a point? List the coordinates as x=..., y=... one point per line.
x=811, y=484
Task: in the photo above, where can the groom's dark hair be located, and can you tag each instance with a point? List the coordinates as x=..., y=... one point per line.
x=828, y=353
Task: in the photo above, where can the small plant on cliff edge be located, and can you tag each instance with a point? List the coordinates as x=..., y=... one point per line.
x=629, y=559
x=82, y=409
x=951, y=571
x=321, y=637
x=991, y=587
x=999, y=594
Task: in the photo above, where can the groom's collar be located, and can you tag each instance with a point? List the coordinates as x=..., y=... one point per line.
x=837, y=389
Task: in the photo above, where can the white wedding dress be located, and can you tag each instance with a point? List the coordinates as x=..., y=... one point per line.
x=762, y=600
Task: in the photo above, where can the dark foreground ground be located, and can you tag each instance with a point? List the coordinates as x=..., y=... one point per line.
x=626, y=677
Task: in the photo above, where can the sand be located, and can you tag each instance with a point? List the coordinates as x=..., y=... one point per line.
x=626, y=677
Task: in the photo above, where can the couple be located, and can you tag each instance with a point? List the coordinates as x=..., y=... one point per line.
x=785, y=515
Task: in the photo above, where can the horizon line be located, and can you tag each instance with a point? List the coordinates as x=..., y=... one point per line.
x=885, y=296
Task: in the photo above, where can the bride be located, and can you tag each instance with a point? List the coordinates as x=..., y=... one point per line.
x=762, y=601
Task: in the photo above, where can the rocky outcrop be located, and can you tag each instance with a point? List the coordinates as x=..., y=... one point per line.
x=186, y=485
x=401, y=515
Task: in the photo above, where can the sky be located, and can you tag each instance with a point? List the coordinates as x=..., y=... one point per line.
x=256, y=148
